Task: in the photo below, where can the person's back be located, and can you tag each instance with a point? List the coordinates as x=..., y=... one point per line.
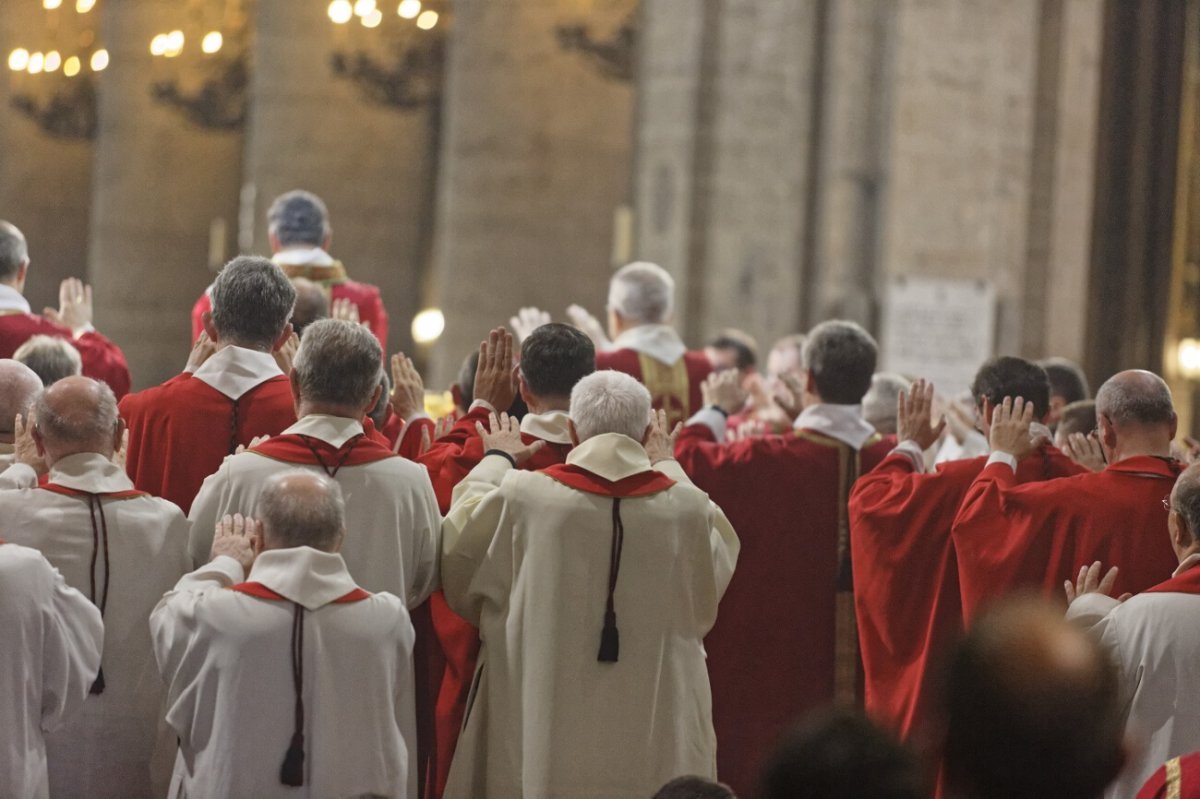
x=180, y=431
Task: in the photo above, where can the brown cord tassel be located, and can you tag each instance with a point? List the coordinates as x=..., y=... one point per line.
x=292, y=770
x=99, y=534
x=610, y=637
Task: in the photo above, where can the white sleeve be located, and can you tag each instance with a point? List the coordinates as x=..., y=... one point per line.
x=72, y=643
x=18, y=475
x=711, y=418
x=206, y=510
x=468, y=529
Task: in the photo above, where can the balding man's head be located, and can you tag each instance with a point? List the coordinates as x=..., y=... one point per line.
x=1032, y=709
x=14, y=253
x=76, y=415
x=311, y=304
x=19, y=386
x=299, y=508
x=1184, y=520
x=1135, y=415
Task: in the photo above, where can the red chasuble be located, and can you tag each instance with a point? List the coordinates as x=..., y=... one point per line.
x=102, y=359
x=364, y=296
x=450, y=655
x=180, y=432
x=1179, y=778
x=1035, y=536
x=906, y=591
x=771, y=654
x=675, y=388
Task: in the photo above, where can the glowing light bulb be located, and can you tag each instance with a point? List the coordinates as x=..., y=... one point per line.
x=427, y=19
x=428, y=325
x=50, y=5
x=53, y=61
x=99, y=60
x=409, y=8
x=158, y=45
x=174, y=43
x=84, y=6
x=18, y=60
x=373, y=19
x=212, y=42
x=364, y=7
x=72, y=66
x=37, y=62
x=340, y=11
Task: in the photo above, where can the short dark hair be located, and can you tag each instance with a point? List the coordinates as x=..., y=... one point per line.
x=692, y=787
x=839, y=754
x=1078, y=417
x=466, y=379
x=252, y=301
x=841, y=356
x=1032, y=708
x=555, y=357
x=1007, y=376
x=1067, y=379
x=744, y=347
x=298, y=217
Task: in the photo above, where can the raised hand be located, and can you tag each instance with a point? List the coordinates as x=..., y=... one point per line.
x=408, y=390
x=254, y=442
x=235, y=536
x=202, y=350
x=914, y=416
x=495, y=377
x=753, y=428
x=1011, y=421
x=443, y=426
x=25, y=449
x=74, y=306
x=724, y=390
x=121, y=456
x=285, y=355
x=590, y=325
x=504, y=434
x=528, y=320
x=344, y=310
x=1089, y=581
x=1085, y=450
x=660, y=438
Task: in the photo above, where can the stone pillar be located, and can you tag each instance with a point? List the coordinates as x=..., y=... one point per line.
x=371, y=164
x=535, y=159
x=45, y=181
x=159, y=182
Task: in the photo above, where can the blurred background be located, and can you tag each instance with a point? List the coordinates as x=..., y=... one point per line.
x=961, y=176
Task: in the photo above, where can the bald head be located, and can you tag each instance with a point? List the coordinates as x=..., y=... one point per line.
x=1135, y=415
x=19, y=386
x=76, y=415
x=299, y=508
x=1032, y=708
x=1185, y=503
x=14, y=252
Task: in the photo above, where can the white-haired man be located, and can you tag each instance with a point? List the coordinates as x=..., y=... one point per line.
x=52, y=638
x=297, y=683
x=1011, y=536
x=300, y=234
x=593, y=584
x=19, y=387
x=72, y=321
x=392, y=513
x=788, y=620
x=1154, y=639
x=123, y=549
x=180, y=431
x=51, y=358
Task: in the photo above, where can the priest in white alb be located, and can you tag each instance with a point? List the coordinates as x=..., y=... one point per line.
x=121, y=548
x=392, y=519
x=593, y=584
x=50, y=653
x=284, y=677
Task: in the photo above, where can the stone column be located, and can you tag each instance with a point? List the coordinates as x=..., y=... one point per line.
x=372, y=164
x=535, y=159
x=158, y=185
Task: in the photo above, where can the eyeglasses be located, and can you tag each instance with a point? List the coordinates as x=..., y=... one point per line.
x=1166, y=501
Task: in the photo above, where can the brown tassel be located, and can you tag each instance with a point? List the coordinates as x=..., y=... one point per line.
x=292, y=772
x=610, y=638
x=98, y=684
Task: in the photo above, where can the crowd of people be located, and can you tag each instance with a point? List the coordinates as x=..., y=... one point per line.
x=622, y=567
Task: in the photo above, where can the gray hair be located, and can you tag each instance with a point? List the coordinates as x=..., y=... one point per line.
x=301, y=508
x=610, y=402
x=881, y=404
x=338, y=362
x=86, y=424
x=841, y=356
x=1135, y=397
x=51, y=358
x=19, y=387
x=1185, y=499
x=642, y=292
x=252, y=302
x=299, y=217
x=14, y=251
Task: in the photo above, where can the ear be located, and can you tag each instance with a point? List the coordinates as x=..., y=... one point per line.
x=810, y=383
x=273, y=240
x=260, y=541
x=206, y=319
x=283, y=337
x=294, y=382
x=22, y=271
x=457, y=395
x=38, y=441
x=646, y=434
x=119, y=434
x=341, y=538
x=1108, y=435
x=1174, y=425
x=374, y=399
x=522, y=386
x=1181, y=536
x=325, y=244
x=571, y=431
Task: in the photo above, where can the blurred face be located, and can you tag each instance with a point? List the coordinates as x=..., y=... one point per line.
x=783, y=361
x=721, y=359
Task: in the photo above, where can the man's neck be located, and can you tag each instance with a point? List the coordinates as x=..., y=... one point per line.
x=540, y=405
x=223, y=343
x=12, y=284
x=1140, y=447
x=306, y=408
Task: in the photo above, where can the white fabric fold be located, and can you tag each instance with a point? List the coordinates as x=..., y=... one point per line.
x=304, y=575
x=843, y=422
x=236, y=370
x=333, y=430
x=660, y=342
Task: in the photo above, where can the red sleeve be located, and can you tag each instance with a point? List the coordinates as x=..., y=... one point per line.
x=203, y=305
x=103, y=360
x=410, y=437
x=372, y=313
x=454, y=455
x=704, y=459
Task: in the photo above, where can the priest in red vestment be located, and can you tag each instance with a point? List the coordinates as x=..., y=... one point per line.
x=1010, y=536
x=554, y=357
x=180, y=431
x=102, y=359
x=905, y=571
x=784, y=642
x=300, y=235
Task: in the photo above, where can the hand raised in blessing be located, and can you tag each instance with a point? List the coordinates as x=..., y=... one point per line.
x=495, y=377
x=504, y=434
x=236, y=536
x=1011, y=421
x=660, y=438
x=914, y=416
